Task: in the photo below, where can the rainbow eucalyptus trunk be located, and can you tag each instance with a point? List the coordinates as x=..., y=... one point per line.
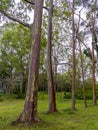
x=51, y=90
x=84, y=87
x=93, y=64
x=93, y=56
x=30, y=113
x=73, y=60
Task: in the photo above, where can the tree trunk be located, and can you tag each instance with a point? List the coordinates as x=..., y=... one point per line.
x=73, y=60
x=55, y=72
x=93, y=64
x=30, y=113
x=51, y=91
x=84, y=88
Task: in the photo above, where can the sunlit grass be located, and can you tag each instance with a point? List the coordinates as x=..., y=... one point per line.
x=65, y=119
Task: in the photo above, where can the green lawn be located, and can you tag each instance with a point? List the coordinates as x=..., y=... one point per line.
x=65, y=119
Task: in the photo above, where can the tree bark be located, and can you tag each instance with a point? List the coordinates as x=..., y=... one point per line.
x=55, y=72
x=51, y=92
x=30, y=113
x=93, y=64
x=73, y=60
x=84, y=87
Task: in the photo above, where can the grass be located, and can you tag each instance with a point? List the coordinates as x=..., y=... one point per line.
x=65, y=119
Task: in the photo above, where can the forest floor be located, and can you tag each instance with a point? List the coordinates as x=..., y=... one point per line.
x=65, y=119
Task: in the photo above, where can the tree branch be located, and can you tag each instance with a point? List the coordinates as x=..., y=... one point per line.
x=82, y=42
x=14, y=19
x=65, y=64
x=34, y=4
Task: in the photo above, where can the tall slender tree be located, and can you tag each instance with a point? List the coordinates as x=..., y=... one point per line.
x=73, y=58
x=93, y=56
x=83, y=82
x=30, y=113
x=81, y=60
x=51, y=90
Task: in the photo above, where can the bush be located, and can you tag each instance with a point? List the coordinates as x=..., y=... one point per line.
x=79, y=93
x=67, y=95
x=1, y=99
x=20, y=96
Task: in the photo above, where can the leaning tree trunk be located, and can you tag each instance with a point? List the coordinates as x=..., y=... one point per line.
x=51, y=91
x=73, y=60
x=29, y=113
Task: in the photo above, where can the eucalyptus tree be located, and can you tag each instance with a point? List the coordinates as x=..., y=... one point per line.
x=91, y=16
x=30, y=113
x=51, y=91
x=93, y=56
x=73, y=56
x=79, y=35
x=90, y=26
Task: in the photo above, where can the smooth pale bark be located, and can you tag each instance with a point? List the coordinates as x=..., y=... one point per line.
x=30, y=113
x=51, y=90
x=73, y=60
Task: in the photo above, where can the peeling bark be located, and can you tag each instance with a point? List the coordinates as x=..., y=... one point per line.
x=30, y=113
x=73, y=58
x=51, y=90
x=93, y=65
x=84, y=87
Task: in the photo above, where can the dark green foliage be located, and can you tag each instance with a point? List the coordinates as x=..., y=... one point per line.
x=79, y=91
x=95, y=43
x=1, y=99
x=16, y=90
x=20, y=96
x=63, y=82
x=6, y=4
x=88, y=53
x=14, y=57
x=67, y=95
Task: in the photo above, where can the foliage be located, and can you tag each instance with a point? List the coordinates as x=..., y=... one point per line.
x=88, y=53
x=67, y=95
x=79, y=91
x=1, y=98
x=96, y=43
x=20, y=96
x=14, y=56
x=6, y=4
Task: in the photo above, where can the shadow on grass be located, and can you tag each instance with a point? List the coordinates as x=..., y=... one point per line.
x=70, y=111
x=42, y=125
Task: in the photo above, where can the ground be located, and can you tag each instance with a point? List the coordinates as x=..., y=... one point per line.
x=65, y=119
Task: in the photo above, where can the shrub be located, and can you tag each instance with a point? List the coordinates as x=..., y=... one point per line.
x=79, y=93
x=20, y=96
x=67, y=95
x=1, y=99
